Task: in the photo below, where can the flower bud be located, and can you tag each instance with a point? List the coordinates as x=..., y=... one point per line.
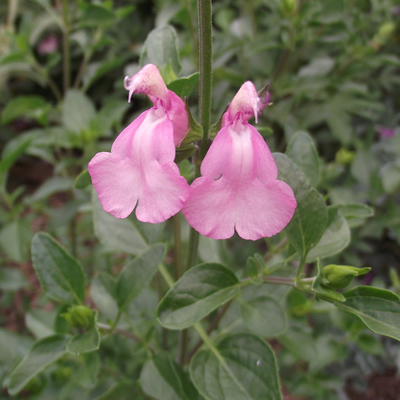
x=288, y=7
x=78, y=316
x=339, y=276
x=344, y=156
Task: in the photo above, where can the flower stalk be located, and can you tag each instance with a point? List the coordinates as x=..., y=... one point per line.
x=205, y=67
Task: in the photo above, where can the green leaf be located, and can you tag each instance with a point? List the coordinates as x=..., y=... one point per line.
x=12, y=279
x=354, y=210
x=60, y=274
x=201, y=290
x=123, y=390
x=183, y=87
x=13, y=347
x=103, y=300
x=263, y=316
x=390, y=175
x=21, y=69
x=35, y=107
x=96, y=70
x=339, y=123
x=92, y=366
x=40, y=323
x=309, y=221
x=43, y=353
x=88, y=341
x=50, y=186
x=12, y=150
x=82, y=180
x=370, y=344
x=378, y=309
x=335, y=238
x=95, y=15
x=291, y=340
x=15, y=238
x=242, y=368
x=162, y=378
x=302, y=152
x=160, y=49
x=115, y=233
x=78, y=110
x=136, y=275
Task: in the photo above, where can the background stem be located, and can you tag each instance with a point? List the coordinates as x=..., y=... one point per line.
x=205, y=67
x=66, y=52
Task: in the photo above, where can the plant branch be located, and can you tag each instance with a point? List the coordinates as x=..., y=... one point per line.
x=212, y=326
x=127, y=334
x=66, y=49
x=205, y=67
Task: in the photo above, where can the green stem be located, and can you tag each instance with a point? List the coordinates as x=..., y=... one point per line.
x=166, y=275
x=114, y=324
x=301, y=267
x=182, y=340
x=182, y=346
x=11, y=15
x=212, y=326
x=87, y=55
x=177, y=246
x=278, y=280
x=125, y=333
x=192, y=248
x=66, y=49
x=205, y=67
x=206, y=339
x=192, y=29
x=205, y=91
x=160, y=292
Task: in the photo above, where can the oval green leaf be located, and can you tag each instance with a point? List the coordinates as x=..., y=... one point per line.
x=183, y=87
x=264, y=316
x=136, y=275
x=160, y=48
x=310, y=219
x=201, y=290
x=354, y=210
x=378, y=309
x=243, y=367
x=115, y=233
x=335, y=238
x=162, y=378
x=302, y=152
x=60, y=274
x=43, y=353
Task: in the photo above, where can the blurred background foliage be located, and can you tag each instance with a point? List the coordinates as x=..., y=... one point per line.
x=333, y=67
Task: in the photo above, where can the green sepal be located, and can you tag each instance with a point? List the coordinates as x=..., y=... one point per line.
x=323, y=292
x=184, y=152
x=215, y=128
x=195, y=132
x=78, y=316
x=339, y=276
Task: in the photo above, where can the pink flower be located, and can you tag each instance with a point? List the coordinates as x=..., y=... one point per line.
x=48, y=45
x=140, y=168
x=385, y=132
x=238, y=188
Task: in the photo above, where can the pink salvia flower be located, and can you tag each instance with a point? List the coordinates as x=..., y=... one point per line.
x=140, y=168
x=238, y=188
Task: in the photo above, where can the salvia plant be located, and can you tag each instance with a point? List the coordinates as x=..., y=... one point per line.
x=219, y=269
